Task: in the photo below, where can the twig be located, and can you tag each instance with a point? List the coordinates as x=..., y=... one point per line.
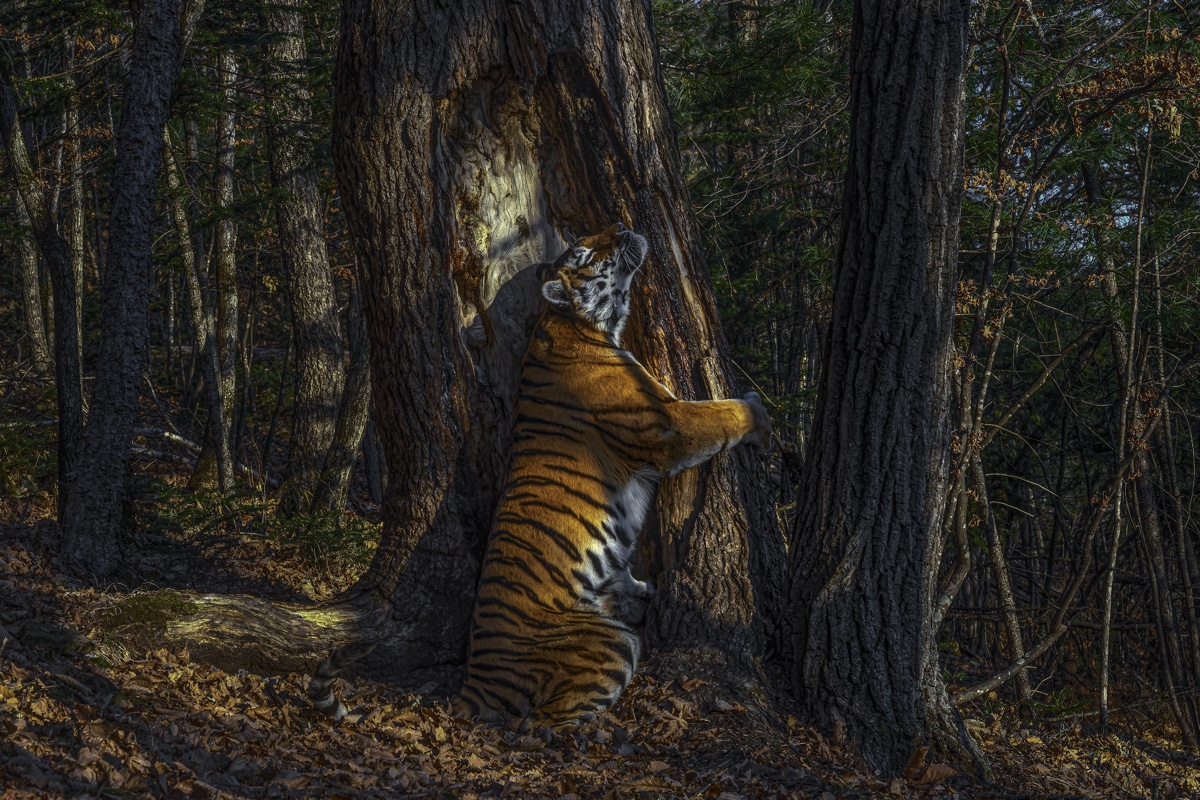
x=1057, y=623
x=1000, y=678
x=169, y=436
x=158, y=455
x=242, y=469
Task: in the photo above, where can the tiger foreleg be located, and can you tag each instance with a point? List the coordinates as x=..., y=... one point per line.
x=627, y=598
x=702, y=428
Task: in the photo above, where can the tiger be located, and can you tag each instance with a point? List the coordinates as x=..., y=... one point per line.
x=555, y=630
x=555, y=634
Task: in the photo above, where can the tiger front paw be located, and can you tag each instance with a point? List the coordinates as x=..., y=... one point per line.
x=760, y=437
x=629, y=602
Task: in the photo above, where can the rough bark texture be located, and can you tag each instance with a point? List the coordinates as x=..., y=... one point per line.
x=236, y=632
x=469, y=137
x=68, y=367
x=226, y=237
x=334, y=486
x=215, y=462
x=74, y=227
x=866, y=546
x=94, y=518
x=217, y=454
x=373, y=458
x=31, y=296
x=316, y=334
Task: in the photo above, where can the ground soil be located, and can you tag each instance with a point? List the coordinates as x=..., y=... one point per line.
x=91, y=707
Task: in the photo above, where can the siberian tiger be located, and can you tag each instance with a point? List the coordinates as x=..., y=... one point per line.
x=554, y=630
x=554, y=635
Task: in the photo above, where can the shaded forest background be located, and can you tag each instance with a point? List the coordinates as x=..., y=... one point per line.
x=1072, y=533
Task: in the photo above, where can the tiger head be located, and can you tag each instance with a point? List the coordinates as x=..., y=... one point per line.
x=592, y=279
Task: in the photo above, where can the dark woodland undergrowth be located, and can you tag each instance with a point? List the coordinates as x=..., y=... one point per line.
x=92, y=706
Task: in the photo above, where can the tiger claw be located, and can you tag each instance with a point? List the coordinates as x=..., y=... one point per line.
x=761, y=438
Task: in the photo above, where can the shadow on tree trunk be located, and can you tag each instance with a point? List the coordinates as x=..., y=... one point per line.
x=522, y=133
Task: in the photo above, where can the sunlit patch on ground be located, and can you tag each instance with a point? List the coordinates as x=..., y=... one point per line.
x=80, y=716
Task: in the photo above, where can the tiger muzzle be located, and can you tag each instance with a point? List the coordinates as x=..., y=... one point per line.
x=632, y=251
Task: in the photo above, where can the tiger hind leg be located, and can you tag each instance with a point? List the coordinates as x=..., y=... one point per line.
x=591, y=680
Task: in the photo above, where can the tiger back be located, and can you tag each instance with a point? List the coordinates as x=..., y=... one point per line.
x=555, y=627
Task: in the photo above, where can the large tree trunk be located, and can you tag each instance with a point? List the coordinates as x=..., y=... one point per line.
x=94, y=519
x=468, y=136
x=299, y=211
x=867, y=546
x=456, y=172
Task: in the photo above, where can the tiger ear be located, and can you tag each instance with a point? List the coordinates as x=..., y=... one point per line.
x=557, y=293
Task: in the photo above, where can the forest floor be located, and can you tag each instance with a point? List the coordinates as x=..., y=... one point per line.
x=89, y=711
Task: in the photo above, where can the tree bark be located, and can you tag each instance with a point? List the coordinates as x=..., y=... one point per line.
x=68, y=367
x=334, y=486
x=1015, y=646
x=31, y=295
x=225, y=239
x=457, y=171
x=867, y=544
x=319, y=374
x=95, y=520
x=215, y=460
x=372, y=457
x=75, y=227
x=468, y=137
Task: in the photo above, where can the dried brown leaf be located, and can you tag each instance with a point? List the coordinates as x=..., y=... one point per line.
x=912, y=770
x=935, y=774
x=529, y=743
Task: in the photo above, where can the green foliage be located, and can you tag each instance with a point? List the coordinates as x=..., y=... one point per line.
x=28, y=442
x=759, y=96
x=1067, y=105
x=1064, y=103
x=341, y=539
x=1063, y=702
x=1056, y=146
x=28, y=460
x=1067, y=109
x=150, y=609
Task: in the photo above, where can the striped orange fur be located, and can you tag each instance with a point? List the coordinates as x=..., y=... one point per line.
x=554, y=635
